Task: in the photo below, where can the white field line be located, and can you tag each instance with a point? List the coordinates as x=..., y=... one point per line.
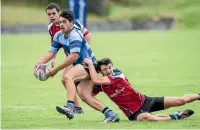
x=37, y=107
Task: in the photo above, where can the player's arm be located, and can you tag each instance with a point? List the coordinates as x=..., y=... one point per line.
x=52, y=62
x=52, y=43
x=96, y=78
x=46, y=58
x=55, y=46
x=74, y=47
x=69, y=60
x=43, y=60
x=88, y=37
x=86, y=34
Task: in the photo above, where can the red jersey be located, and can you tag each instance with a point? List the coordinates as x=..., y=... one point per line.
x=121, y=92
x=53, y=29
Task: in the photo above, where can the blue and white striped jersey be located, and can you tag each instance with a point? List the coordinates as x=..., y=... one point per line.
x=74, y=42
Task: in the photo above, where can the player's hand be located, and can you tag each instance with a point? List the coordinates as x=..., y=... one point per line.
x=52, y=63
x=52, y=73
x=34, y=71
x=88, y=61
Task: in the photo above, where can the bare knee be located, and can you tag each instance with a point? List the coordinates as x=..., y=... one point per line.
x=63, y=81
x=187, y=97
x=181, y=101
x=67, y=78
x=146, y=117
x=84, y=97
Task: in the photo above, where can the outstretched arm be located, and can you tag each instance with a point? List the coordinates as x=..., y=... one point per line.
x=43, y=60
x=70, y=59
x=46, y=58
x=88, y=37
x=96, y=78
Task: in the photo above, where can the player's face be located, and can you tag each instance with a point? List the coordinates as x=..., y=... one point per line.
x=65, y=25
x=107, y=69
x=53, y=15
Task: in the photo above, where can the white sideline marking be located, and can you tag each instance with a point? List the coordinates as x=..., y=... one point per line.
x=37, y=107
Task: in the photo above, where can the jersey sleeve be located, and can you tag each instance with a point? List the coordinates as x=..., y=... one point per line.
x=117, y=77
x=112, y=79
x=50, y=31
x=55, y=46
x=75, y=43
x=84, y=31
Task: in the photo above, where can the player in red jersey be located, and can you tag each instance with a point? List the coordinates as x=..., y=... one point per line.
x=53, y=12
x=135, y=105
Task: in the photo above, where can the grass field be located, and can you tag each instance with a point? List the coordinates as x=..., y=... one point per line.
x=157, y=63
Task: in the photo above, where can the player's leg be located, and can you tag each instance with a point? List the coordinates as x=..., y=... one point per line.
x=179, y=101
x=77, y=109
x=149, y=117
x=85, y=90
x=176, y=116
x=74, y=74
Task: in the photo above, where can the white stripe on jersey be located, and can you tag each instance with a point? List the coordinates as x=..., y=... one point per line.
x=119, y=76
x=49, y=26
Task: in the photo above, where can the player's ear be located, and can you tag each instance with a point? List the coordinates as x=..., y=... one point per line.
x=71, y=23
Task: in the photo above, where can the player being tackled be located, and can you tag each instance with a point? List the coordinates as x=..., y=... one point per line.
x=77, y=48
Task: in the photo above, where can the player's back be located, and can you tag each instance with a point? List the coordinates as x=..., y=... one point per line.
x=121, y=92
x=78, y=25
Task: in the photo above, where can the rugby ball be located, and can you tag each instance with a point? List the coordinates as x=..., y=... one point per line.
x=41, y=72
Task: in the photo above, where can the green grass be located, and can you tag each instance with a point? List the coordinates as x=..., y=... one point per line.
x=187, y=12
x=157, y=64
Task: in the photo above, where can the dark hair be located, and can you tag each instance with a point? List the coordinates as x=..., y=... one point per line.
x=68, y=14
x=52, y=6
x=104, y=61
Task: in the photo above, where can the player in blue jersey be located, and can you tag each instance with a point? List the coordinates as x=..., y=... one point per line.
x=53, y=12
x=72, y=41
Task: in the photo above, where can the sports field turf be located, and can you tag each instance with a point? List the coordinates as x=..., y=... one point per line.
x=157, y=63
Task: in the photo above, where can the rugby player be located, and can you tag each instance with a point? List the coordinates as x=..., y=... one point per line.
x=77, y=48
x=53, y=12
x=136, y=106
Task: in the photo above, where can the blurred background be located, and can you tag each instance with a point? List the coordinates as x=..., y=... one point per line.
x=106, y=14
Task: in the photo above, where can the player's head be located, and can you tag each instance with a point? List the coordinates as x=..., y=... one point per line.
x=53, y=12
x=105, y=66
x=66, y=20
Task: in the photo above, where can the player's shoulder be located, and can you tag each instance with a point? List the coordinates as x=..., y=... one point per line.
x=118, y=74
x=75, y=33
x=58, y=34
x=77, y=24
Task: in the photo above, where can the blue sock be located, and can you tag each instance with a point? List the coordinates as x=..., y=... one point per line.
x=108, y=112
x=175, y=116
x=105, y=109
x=78, y=108
x=70, y=105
